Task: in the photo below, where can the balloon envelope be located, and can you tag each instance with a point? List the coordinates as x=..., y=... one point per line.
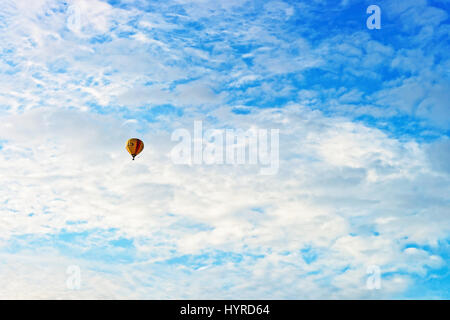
x=135, y=146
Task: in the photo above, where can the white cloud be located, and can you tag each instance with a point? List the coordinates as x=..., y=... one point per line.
x=344, y=190
x=76, y=170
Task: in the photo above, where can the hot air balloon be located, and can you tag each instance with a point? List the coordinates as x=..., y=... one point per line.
x=135, y=146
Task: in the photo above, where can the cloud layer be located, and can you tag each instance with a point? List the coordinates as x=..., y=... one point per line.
x=363, y=179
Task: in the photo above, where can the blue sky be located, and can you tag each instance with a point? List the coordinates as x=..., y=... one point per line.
x=364, y=171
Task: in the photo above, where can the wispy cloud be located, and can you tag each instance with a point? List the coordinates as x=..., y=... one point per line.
x=363, y=178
